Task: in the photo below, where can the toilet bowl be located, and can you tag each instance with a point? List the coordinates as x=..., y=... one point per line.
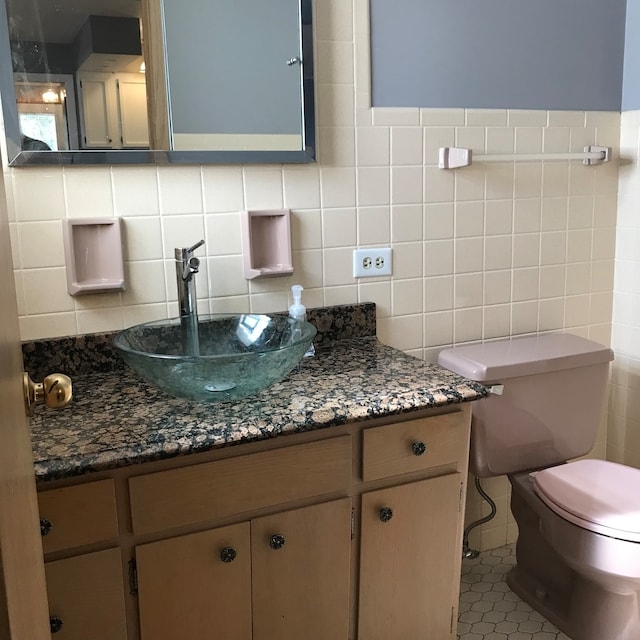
x=578, y=547
x=584, y=581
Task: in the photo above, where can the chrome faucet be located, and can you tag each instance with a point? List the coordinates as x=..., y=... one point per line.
x=187, y=265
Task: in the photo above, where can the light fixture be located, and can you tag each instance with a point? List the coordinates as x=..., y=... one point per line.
x=50, y=96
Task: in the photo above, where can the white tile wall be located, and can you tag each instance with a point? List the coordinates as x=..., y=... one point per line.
x=487, y=251
x=624, y=407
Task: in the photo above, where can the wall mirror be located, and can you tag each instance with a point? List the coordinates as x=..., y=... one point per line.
x=157, y=81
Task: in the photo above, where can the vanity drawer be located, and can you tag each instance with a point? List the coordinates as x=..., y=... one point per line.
x=415, y=445
x=78, y=515
x=211, y=490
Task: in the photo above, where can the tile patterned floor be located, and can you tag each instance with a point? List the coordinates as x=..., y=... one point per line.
x=489, y=610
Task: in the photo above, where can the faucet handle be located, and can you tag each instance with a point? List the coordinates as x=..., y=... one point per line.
x=193, y=265
x=184, y=254
x=195, y=246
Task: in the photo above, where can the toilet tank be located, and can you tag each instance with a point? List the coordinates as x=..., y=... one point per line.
x=552, y=398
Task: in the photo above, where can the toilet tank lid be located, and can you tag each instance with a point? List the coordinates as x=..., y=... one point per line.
x=501, y=359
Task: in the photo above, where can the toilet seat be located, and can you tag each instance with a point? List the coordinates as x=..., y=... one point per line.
x=596, y=495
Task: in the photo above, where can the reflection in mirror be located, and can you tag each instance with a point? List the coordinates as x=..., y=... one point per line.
x=259, y=107
x=46, y=112
x=120, y=81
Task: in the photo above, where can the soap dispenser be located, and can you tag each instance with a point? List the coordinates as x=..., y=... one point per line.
x=298, y=311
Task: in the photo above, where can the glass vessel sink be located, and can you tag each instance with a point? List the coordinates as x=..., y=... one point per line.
x=215, y=358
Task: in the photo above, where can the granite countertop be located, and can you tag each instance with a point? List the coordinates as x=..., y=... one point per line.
x=116, y=419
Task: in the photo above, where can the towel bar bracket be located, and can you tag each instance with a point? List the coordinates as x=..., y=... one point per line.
x=605, y=151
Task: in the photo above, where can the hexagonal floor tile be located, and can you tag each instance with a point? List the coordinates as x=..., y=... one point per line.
x=490, y=610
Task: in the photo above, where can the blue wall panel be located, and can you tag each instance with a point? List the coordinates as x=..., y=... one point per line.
x=631, y=86
x=540, y=54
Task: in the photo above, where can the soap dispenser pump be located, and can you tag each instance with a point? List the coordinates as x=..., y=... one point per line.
x=297, y=310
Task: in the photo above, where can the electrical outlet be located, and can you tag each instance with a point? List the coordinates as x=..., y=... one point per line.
x=369, y=263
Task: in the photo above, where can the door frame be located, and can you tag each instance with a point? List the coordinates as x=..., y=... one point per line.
x=23, y=596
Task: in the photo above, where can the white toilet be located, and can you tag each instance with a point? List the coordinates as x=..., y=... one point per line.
x=578, y=549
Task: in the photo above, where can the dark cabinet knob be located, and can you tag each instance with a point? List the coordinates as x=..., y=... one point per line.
x=386, y=513
x=45, y=526
x=55, y=624
x=228, y=554
x=277, y=541
x=418, y=448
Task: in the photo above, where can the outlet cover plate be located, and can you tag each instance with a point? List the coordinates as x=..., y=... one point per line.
x=372, y=262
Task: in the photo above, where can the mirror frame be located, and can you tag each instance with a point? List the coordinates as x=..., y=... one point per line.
x=16, y=157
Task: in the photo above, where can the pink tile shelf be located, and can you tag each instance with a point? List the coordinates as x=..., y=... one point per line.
x=93, y=255
x=266, y=243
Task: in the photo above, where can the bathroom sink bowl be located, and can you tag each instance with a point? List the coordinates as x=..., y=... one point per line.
x=219, y=358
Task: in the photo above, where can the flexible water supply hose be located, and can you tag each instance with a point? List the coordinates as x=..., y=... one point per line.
x=467, y=552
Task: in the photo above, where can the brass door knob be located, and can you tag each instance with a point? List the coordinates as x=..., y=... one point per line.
x=55, y=391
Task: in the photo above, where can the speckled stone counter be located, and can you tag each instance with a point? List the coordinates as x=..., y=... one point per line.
x=116, y=419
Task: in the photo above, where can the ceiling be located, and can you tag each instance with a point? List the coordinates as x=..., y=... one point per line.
x=58, y=21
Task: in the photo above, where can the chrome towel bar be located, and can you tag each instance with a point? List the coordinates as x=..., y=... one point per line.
x=457, y=157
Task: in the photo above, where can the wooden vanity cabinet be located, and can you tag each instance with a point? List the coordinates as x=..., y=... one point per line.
x=410, y=550
x=280, y=576
x=407, y=552
x=352, y=533
x=85, y=590
x=270, y=577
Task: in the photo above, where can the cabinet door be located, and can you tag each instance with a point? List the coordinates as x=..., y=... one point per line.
x=86, y=597
x=301, y=562
x=196, y=586
x=96, y=117
x=132, y=106
x=407, y=560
